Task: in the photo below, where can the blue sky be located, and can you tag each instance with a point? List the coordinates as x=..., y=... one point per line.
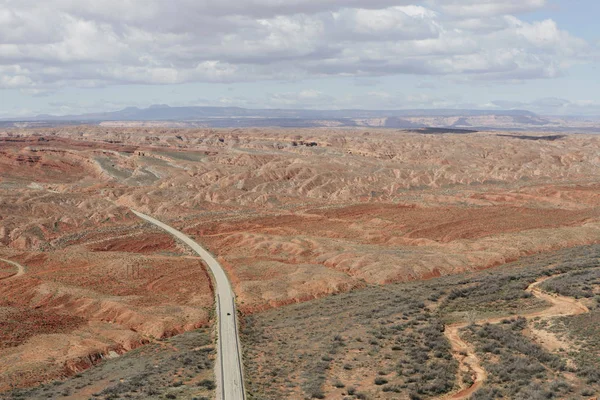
x=64, y=57
x=579, y=17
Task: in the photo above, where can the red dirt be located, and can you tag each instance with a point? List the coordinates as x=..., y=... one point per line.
x=440, y=224
x=21, y=323
x=141, y=243
x=43, y=165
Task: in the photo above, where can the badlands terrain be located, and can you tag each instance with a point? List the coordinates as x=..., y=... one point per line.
x=367, y=219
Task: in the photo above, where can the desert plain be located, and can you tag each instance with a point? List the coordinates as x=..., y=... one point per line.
x=295, y=216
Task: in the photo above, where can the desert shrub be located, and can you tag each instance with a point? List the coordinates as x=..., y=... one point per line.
x=392, y=388
x=517, y=367
x=380, y=381
x=487, y=394
x=493, y=293
x=587, y=392
x=317, y=393
x=578, y=284
x=207, y=383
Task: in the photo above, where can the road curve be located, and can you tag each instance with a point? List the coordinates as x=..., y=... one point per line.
x=20, y=269
x=228, y=370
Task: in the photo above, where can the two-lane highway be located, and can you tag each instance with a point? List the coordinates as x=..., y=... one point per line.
x=229, y=371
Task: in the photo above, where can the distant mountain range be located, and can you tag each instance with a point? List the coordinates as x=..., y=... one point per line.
x=232, y=117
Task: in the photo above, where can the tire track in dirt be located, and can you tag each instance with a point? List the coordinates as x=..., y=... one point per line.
x=20, y=269
x=464, y=353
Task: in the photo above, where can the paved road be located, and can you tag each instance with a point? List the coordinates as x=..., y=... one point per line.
x=230, y=381
x=20, y=268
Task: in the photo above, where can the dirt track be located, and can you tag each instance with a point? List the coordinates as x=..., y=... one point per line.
x=468, y=362
x=465, y=354
x=20, y=269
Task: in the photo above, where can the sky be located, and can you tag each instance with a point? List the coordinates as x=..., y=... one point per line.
x=65, y=57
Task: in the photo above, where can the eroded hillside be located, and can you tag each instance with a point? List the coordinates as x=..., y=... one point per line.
x=292, y=214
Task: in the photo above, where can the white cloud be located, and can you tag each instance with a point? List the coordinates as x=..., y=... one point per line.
x=410, y=22
x=486, y=8
x=46, y=45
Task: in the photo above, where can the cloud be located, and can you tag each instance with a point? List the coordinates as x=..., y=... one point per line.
x=85, y=43
x=486, y=8
x=426, y=85
x=393, y=23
